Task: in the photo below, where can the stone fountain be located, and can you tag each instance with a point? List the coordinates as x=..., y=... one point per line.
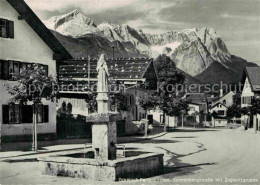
x=100, y=162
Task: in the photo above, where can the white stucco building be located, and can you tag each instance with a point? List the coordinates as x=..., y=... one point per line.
x=221, y=112
x=251, y=92
x=24, y=40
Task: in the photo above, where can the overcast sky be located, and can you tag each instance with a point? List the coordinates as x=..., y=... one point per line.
x=236, y=21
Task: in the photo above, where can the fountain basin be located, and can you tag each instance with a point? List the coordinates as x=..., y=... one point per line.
x=70, y=164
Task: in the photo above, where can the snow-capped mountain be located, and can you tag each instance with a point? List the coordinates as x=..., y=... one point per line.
x=193, y=50
x=73, y=24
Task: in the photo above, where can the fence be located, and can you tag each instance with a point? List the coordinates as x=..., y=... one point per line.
x=71, y=127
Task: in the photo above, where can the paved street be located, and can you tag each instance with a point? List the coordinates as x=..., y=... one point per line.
x=189, y=153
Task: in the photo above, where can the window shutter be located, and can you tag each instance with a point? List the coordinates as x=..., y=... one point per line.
x=5, y=70
x=10, y=29
x=5, y=111
x=27, y=114
x=45, y=113
x=1, y=69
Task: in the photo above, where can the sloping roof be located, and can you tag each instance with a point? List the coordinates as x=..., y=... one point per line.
x=123, y=68
x=219, y=98
x=196, y=98
x=217, y=104
x=212, y=99
x=36, y=24
x=253, y=74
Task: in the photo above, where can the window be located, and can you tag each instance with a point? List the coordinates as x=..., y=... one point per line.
x=23, y=66
x=4, y=70
x=221, y=112
x=42, y=113
x=238, y=121
x=247, y=100
x=6, y=28
x=16, y=114
x=14, y=70
x=9, y=70
x=224, y=102
x=192, y=108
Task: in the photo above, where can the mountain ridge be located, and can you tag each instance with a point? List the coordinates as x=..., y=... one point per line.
x=192, y=50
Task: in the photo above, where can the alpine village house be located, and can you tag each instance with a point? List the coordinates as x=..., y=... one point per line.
x=24, y=39
x=133, y=77
x=251, y=92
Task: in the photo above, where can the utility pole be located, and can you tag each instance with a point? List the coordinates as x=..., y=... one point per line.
x=182, y=120
x=146, y=124
x=34, y=132
x=88, y=71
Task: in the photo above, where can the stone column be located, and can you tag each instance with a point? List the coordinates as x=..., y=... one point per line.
x=104, y=124
x=104, y=137
x=102, y=102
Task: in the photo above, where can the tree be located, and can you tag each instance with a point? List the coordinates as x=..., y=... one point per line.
x=214, y=115
x=245, y=111
x=255, y=108
x=116, y=97
x=69, y=108
x=63, y=107
x=33, y=85
x=168, y=97
x=234, y=111
x=194, y=116
x=119, y=100
x=148, y=102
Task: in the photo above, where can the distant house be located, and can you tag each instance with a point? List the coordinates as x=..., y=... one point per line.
x=250, y=92
x=220, y=111
x=226, y=99
x=136, y=75
x=198, y=109
x=24, y=40
x=219, y=106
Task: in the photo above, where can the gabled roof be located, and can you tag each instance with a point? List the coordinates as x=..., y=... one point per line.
x=196, y=98
x=123, y=68
x=219, y=98
x=217, y=104
x=253, y=74
x=212, y=99
x=36, y=24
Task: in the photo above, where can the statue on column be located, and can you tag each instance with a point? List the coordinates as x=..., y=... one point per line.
x=102, y=85
x=103, y=74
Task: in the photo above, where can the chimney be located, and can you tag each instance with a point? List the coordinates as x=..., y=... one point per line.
x=221, y=92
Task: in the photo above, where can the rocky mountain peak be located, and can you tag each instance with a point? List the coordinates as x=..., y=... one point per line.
x=73, y=24
x=193, y=50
